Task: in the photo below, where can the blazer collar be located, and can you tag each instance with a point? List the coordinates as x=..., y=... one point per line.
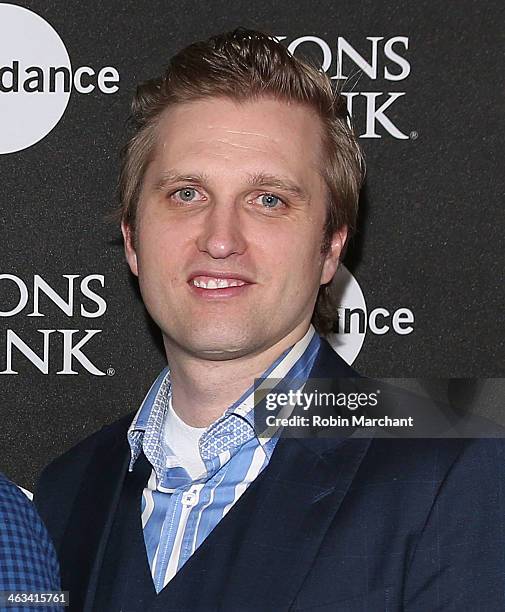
x=328, y=365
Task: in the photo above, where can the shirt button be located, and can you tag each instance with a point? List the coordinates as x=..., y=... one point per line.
x=189, y=499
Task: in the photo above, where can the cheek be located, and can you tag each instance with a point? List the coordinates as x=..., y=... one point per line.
x=159, y=246
x=296, y=257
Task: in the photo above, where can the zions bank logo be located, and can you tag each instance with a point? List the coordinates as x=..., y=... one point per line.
x=37, y=78
x=369, y=71
x=355, y=319
x=59, y=351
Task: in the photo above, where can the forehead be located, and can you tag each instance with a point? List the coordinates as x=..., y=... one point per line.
x=219, y=134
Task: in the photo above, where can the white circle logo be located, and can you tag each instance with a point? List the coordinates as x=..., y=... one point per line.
x=35, y=78
x=352, y=316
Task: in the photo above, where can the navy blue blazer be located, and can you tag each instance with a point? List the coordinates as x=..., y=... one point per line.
x=345, y=524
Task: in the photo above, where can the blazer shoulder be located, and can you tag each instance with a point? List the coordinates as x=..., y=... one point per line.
x=480, y=460
x=470, y=461
x=80, y=454
x=61, y=478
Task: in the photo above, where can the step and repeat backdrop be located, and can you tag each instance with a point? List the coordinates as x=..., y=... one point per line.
x=421, y=286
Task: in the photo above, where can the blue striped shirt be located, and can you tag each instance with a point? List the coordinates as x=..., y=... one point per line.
x=178, y=513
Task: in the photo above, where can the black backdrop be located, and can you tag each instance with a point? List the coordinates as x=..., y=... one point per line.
x=432, y=218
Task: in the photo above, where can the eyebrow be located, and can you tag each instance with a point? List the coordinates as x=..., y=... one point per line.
x=262, y=179
x=257, y=179
x=168, y=177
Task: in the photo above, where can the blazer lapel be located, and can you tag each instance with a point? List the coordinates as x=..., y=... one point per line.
x=305, y=485
x=281, y=531
x=86, y=535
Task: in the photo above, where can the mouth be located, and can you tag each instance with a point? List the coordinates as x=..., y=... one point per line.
x=218, y=286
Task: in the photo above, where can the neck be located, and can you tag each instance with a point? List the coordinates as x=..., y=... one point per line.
x=202, y=390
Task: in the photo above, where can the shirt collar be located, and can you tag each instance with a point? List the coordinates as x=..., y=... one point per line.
x=233, y=428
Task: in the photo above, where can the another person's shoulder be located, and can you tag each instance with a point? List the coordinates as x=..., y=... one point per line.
x=26, y=551
x=12, y=500
x=18, y=517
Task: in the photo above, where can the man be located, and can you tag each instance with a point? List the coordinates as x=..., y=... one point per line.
x=239, y=192
x=27, y=558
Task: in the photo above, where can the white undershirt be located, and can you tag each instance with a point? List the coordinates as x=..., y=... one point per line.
x=183, y=442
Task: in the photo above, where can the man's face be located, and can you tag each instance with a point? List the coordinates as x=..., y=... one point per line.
x=230, y=225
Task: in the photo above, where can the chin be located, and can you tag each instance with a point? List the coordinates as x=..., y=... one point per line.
x=223, y=354
x=217, y=344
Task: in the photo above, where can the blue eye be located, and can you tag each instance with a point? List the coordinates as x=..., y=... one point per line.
x=187, y=194
x=269, y=200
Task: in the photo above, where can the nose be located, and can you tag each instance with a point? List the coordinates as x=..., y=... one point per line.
x=222, y=234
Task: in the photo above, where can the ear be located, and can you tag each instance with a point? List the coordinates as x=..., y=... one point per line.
x=332, y=257
x=129, y=249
